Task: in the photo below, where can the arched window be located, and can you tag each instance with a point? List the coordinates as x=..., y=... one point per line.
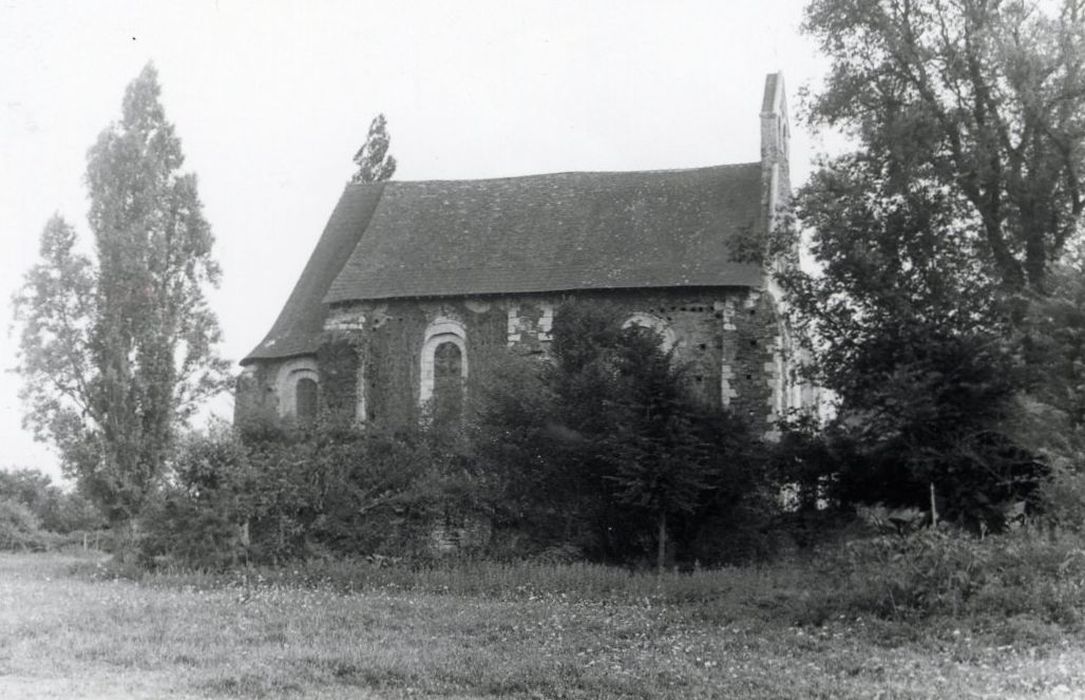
x=444, y=364
x=655, y=323
x=305, y=399
x=299, y=389
x=447, y=382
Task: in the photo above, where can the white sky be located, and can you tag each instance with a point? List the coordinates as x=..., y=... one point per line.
x=272, y=99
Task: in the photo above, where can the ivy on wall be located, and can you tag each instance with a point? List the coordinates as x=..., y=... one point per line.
x=390, y=340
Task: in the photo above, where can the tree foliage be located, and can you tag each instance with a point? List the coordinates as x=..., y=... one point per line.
x=937, y=236
x=1051, y=406
x=889, y=252
x=912, y=335
x=374, y=163
x=267, y=497
x=57, y=510
x=117, y=349
x=603, y=449
x=981, y=100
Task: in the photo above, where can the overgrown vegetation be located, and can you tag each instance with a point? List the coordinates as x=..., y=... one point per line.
x=604, y=452
x=271, y=497
x=934, y=573
x=35, y=514
x=600, y=453
x=920, y=576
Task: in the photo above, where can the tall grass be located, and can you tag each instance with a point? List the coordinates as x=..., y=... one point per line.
x=925, y=574
x=344, y=628
x=493, y=580
x=934, y=573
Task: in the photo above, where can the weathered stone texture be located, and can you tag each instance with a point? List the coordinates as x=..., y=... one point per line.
x=256, y=400
x=370, y=360
x=727, y=339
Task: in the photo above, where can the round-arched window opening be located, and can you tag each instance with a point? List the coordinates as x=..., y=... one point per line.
x=305, y=399
x=447, y=381
x=667, y=338
x=449, y=336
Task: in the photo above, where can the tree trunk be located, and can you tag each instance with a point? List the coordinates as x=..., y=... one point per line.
x=126, y=541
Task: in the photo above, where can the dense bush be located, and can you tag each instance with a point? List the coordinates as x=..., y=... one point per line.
x=940, y=571
x=198, y=518
x=983, y=475
x=275, y=496
x=56, y=510
x=356, y=492
x=20, y=529
x=602, y=451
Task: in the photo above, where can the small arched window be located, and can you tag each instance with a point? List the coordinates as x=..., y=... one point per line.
x=667, y=337
x=305, y=399
x=443, y=360
x=298, y=388
x=447, y=381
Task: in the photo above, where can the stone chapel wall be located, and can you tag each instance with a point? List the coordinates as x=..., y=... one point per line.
x=371, y=364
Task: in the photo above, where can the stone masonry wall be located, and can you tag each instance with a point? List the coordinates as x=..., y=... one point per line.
x=255, y=397
x=369, y=362
x=726, y=337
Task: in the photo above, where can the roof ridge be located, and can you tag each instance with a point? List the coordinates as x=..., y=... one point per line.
x=501, y=178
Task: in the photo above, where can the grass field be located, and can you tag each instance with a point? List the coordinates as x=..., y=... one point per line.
x=573, y=632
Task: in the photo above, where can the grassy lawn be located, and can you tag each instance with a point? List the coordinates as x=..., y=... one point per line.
x=593, y=634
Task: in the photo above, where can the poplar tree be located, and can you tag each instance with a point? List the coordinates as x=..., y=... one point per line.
x=374, y=163
x=118, y=346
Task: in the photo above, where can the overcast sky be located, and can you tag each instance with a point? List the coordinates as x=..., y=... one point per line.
x=272, y=99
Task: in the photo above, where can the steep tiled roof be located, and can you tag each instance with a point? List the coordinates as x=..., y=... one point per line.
x=556, y=232
x=297, y=329
x=539, y=233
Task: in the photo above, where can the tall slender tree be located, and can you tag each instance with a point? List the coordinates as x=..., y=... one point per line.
x=374, y=163
x=118, y=348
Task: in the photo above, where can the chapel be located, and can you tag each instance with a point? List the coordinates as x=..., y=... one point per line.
x=413, y=288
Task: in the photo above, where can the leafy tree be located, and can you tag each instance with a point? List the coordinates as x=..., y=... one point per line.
x=1051, y=408
x=983, y=100
x=963, y=191
x=374, y=163
x=602, y=448
x=911, y=334
x=660, y=464
x=57, y=510
x=536, y=472
x=1052, y=340
x=931, y=407
x=889, y=251
x=117, y=350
